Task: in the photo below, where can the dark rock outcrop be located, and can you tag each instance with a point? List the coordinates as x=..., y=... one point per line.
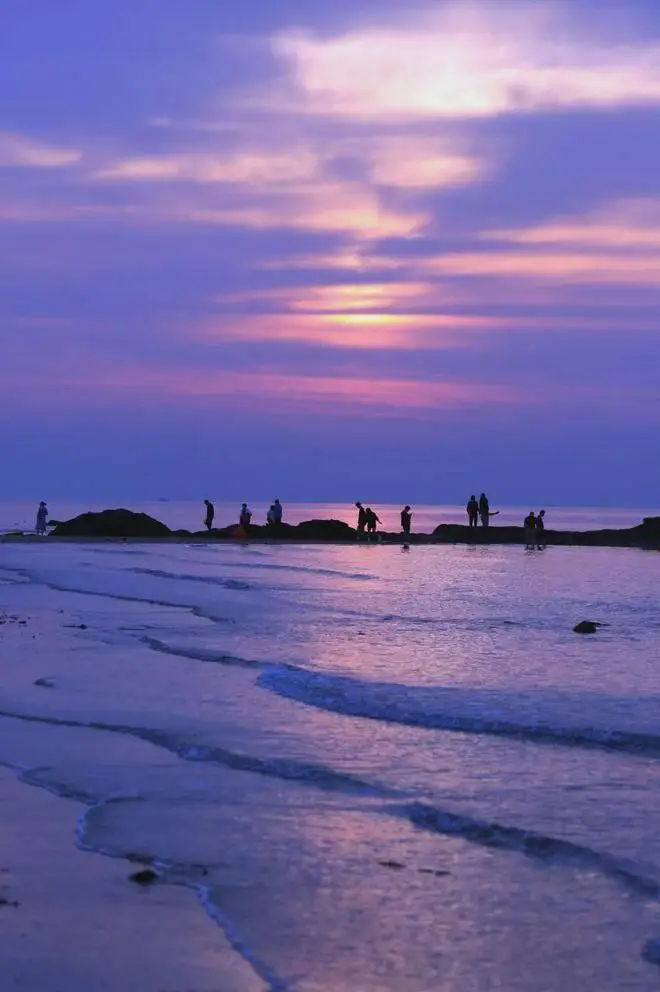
x=324, y=530
x=460, y=534
x=146, y=876
x=112, y=523
x=586, y=627
x=650, y=529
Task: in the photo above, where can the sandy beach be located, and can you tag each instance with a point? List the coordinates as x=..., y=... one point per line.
x=354, y=769
x=72, y=921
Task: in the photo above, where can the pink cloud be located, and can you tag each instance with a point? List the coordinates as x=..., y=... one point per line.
x=464, y=60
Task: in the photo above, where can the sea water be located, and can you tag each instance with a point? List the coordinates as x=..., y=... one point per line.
x=378, y=768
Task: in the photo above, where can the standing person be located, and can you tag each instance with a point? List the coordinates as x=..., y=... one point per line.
x=270, y=516
x=472, y=511
x=277, y=513
x=372, y=520
x=42, y=518
x=245, y=516
x=361, y=520
x=540, y=530
x=484, y=510
x=530, y=530
x=210, y=514
x=406, y=520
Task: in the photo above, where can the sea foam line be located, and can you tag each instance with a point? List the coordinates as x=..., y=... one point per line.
x=351, y=697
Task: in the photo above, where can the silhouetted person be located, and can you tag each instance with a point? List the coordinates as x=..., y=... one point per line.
x=210, y=514
x=406, y=520
x=277, y=513
x=484, y=510
x=42, y=518
x=472, y=511
x=270, y=516
x=540, y=530
x=372, y=520
x=530, y=530
x=361, y=520
x=245, y=517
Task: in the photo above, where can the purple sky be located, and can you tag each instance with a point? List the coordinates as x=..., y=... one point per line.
x=330, y=251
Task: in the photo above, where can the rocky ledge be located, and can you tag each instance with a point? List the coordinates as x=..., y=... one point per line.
x=125, y=524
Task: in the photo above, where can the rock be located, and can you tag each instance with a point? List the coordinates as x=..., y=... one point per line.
x=325, y=530
x=112, y=523
x=586, y=627
x=651, y=529
x=146, y=876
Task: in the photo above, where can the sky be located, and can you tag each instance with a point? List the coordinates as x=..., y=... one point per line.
x=360, y=250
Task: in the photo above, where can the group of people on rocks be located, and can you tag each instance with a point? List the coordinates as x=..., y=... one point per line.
x=273, y=517
x=479, y=509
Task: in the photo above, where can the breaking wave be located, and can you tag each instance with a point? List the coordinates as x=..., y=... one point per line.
x=467, y=711
x=306, y=773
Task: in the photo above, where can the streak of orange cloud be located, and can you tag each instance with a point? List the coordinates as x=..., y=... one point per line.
x=260, y=388
x=632, y=223
x=557, y=267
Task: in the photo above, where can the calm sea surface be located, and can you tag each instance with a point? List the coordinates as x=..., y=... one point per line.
x=379, y=769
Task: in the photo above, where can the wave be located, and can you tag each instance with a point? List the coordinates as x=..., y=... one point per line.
x=60, y=586
x=289, y=769
x=430, y=708
x=201, y=654
x=237, y=584
x=305, y=569
x=533, y=845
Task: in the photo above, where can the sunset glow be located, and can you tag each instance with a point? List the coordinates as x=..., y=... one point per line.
x=423, y=215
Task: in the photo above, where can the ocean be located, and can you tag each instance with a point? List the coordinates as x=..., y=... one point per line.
x=376, y=768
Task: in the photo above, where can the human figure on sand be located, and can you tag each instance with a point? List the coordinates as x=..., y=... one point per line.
x=530, y=526
x=42, y=519
x=472, y=509
x=210, y=514
x=406, y=520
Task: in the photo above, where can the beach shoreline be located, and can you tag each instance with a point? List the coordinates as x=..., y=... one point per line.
x=72, y=920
